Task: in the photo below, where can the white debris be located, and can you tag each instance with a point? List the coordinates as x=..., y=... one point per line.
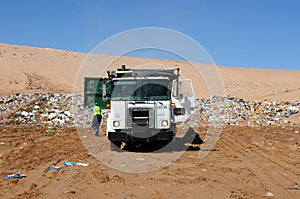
x=36, y=107
x=82, y=164
x=52, y=116
x=67, y=113
x=24, y=113
x=269, y=194
x=293, y=109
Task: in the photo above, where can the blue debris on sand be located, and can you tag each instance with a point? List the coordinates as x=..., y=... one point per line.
x=70, y=163
x=54, y=168
x=15, y=175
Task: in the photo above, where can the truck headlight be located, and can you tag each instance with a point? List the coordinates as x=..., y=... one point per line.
x=116, y=123
x=164, y=123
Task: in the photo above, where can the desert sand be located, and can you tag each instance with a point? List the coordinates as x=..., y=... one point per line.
x=24, y=69
x=246, y=162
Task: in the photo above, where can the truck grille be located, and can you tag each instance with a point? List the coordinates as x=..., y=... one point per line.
x=140, y=121
x=139, y=118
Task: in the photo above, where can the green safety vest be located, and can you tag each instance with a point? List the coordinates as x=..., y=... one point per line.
x=97, y=110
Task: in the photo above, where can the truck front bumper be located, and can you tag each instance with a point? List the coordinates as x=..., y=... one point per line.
x=122, y=136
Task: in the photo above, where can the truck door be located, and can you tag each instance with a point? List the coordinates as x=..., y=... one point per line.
x=184, y=97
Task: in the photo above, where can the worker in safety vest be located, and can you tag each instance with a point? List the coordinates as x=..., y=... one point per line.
x=97, y=118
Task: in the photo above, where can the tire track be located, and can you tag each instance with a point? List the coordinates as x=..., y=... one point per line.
x=274, y=183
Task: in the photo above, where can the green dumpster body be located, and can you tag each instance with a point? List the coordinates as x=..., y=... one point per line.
x=95, y=92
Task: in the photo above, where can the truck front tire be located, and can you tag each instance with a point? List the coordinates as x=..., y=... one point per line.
x=115, y=146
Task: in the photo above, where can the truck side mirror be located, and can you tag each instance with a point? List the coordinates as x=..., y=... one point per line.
x=179, y=111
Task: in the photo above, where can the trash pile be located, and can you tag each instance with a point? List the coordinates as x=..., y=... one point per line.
x=67, y=110
x=235, y=111
x=35, y=109
x=45, y=110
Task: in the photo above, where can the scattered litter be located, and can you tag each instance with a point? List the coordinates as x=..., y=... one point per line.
x=2, y=143
x=124, y=165
x=203, y=170
x=69, y=191
x=69, y=163
x=269, y=194
x=54, y=168
x=295, y=187
x=84, y=136
x=66, y=163
x=15, y=175
x=82, y=164
x=49, y=130
x=140, y=159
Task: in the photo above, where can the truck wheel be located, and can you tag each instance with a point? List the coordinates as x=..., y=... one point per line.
x=115, y=146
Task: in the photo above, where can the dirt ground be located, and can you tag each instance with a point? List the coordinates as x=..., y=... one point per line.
x=245, y=163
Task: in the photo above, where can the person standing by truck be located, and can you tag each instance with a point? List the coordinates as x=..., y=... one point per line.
x=97, y=118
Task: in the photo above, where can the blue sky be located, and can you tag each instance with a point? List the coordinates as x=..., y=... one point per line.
x=252, y=33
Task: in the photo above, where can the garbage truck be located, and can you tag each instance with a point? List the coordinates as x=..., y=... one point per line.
x=145, y=104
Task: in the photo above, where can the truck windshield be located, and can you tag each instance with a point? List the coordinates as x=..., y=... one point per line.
x=141, y=89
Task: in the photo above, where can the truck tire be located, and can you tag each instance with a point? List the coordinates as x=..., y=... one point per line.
x=115, y=146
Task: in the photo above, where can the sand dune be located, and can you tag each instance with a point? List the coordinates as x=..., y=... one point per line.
x=29, y=69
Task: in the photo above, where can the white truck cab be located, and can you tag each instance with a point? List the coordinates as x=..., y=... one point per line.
x=145, y=105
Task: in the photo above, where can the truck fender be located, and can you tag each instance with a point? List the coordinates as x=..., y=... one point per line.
x=109, y=127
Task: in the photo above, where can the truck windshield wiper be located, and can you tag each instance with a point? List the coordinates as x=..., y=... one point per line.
x=159, y=102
